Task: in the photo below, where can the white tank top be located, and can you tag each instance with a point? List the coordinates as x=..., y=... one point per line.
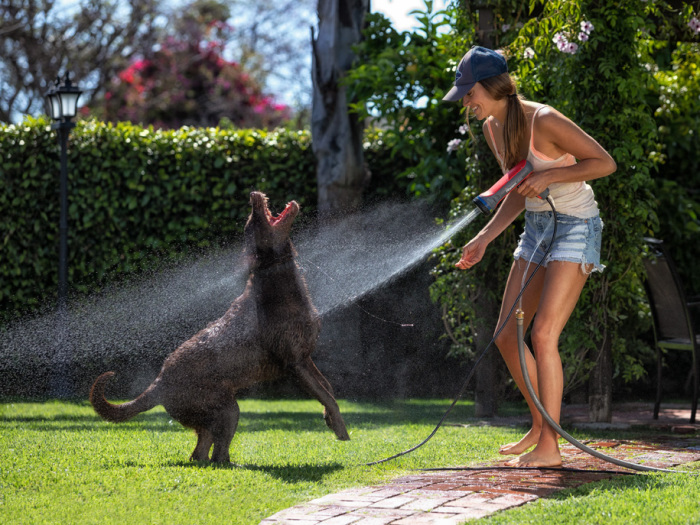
x=570, y=198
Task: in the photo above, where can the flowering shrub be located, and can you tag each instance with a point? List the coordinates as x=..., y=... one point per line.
x=188, y=82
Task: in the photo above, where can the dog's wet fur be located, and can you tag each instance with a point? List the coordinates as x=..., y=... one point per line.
x=269, y=331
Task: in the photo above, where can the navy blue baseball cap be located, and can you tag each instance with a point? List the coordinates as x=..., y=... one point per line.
x=478, y=63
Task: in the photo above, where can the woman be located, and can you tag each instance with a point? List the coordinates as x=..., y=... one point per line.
x=564, y=157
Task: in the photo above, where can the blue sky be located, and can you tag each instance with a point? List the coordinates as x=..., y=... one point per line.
x=397, y=11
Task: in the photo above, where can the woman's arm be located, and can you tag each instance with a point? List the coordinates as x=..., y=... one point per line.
x=512, y=205
x=555, y=135
x=474, y=250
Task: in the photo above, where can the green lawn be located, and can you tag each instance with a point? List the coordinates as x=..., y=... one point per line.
x=59, y=463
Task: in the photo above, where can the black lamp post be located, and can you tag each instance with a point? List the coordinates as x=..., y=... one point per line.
x=63, y=103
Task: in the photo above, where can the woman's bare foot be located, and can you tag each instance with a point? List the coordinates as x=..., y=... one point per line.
x=537, y=458
x=518, y=447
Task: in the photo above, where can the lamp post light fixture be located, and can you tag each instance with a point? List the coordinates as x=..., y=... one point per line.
x=62, y=100
x=63, y=104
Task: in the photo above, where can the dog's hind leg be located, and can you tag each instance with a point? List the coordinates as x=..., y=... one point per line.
x=317, y=385
x=204, y=443
x=225, y=422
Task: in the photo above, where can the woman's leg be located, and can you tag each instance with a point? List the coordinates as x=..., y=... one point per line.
x=507, y=343
x=563, y=282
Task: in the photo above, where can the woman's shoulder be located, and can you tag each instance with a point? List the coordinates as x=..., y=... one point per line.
x=549, y=118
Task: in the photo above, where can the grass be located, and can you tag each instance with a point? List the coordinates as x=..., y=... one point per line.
x=59, y=463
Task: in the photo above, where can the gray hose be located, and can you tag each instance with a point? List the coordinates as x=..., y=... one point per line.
x=519, y=316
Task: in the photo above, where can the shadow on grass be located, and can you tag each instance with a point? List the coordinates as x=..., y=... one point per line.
x=286, y=473
x=156, y=422
x=376, y=415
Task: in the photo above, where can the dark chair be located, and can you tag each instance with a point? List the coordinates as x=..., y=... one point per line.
x=673, y=324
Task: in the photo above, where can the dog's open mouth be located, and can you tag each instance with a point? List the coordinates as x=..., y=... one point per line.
x=260, y=205
x=291, y=208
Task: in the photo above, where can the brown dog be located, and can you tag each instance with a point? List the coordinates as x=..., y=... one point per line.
x=270, y=330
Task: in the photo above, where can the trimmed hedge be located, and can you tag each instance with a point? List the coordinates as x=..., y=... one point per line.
x=137, y=196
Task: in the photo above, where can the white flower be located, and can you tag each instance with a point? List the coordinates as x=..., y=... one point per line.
x=463, y=129
x=562, y=45
x=453, y=145
x=529, y=53
x=558, y=38
x=583, y=36
x=505, y=27
x=586, y=26
x=694, y=24
x=571, y=48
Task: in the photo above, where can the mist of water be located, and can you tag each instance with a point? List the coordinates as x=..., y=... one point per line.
x=341, y=262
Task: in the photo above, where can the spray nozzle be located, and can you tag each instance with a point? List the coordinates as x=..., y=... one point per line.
x=488, y=201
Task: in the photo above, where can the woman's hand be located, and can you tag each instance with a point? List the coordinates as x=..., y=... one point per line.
x=534, y=185
x=472, y=252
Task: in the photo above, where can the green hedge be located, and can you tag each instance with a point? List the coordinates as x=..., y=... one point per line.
x=137, y=196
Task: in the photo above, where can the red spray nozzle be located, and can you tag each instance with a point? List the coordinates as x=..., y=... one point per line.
x=488, y=201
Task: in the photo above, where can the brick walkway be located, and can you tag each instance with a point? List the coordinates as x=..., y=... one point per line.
x=454, y=496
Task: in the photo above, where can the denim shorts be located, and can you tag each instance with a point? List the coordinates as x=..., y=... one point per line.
x=578, y=240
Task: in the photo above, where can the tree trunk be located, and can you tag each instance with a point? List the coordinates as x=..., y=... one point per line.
x=337, y=134
x=600, y=386
x=486, y=392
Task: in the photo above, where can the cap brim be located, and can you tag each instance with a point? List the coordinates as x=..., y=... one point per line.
x=457, y=92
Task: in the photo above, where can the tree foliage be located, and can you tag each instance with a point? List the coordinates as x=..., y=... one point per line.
x=186, y=81
x=397, y=82
x=271, y=42
x=41, y=39
x=611, y=84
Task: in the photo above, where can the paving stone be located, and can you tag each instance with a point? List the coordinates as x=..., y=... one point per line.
x=346, y=519
x=435, y=494
x=374, y=521
x=329, y=511
x=393, y=514
x=392, y=503
x=424, y=504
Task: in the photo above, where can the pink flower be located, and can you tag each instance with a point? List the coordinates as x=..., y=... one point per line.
x=583, y=36
x=694, y=24
x=571, y=48
x=453, y=145
x=127, y=76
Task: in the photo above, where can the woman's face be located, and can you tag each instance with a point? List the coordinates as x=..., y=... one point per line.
x=479, y=101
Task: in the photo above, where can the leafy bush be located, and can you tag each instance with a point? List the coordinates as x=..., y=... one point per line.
x=676, y=188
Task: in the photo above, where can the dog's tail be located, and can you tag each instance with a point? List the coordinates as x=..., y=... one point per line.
x=125, y=411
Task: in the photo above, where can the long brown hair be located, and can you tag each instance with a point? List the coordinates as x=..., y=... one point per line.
x=515, y=127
